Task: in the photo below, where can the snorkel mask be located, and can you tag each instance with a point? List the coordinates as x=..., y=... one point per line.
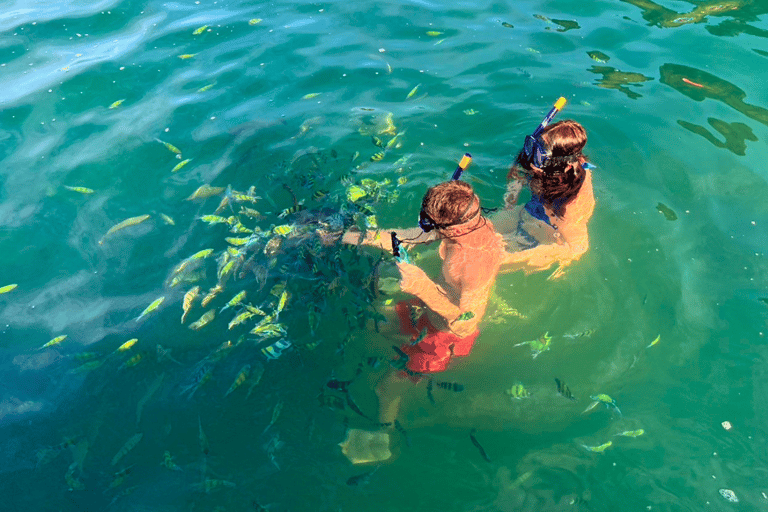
x=535, y=149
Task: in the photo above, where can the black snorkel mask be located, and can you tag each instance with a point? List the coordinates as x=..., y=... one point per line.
x=425, y=221
x=535, y=149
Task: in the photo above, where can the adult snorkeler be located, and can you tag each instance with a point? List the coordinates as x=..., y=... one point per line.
x=445, y=312
x=552, y=226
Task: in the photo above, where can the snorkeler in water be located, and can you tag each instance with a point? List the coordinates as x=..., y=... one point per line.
x=552, y=226
x=442, y=317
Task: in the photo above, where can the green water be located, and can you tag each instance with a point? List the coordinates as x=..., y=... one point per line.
x=696, y=146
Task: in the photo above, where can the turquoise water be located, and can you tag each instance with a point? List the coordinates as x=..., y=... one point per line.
x=294, y=102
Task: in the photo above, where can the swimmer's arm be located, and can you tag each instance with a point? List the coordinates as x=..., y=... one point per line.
x=382, y=239
x=514, y=186
x=436, y=298
x=575, y=244
x=416, y=282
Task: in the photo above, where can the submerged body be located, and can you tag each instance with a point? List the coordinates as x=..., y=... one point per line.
x=551, y=228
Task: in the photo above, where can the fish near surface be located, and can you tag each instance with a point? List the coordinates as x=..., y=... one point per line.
x=189, y=299
x=668, y=213
x=203, y=320
x=152, y=307
x=131, y=221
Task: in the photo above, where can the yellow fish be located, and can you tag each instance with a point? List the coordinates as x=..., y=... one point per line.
x=242, y=317
x=181, y=164
x=237, y=241
x=213, y=292
x=599, y=449
x=266, y=327
x=434, y=33
x=255, y=310
x=198, y=255
x=389, y=125
x=254, y=21
x=226, y=269
x=132, y=221
x=132, y=361
x=393, y=140
x=151, y=308
x=203, y=320
x=234, y=301
x=655, y=342
x=116, y=104
x=170, y=147
x=283, y=301
x=413, y=91
x=214, y=219
x=377, y=156
x=632, y=433
x=206, y=87
x=55, y=341
x=311, y=95
x=239, y=379
x=82, y=190
x=200, y=30
x=245, y=197
x=239, y=228
x=8, y=288
x=205, y=191
x=127, y=345
x=167, y=219
x=354, y=193
x=283, y=230
x=189, y=299
x=185, y=56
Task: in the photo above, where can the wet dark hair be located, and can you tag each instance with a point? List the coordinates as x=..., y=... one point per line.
x=561, y=178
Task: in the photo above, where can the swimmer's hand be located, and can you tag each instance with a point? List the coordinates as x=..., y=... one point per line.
x=412, y=278
x=403, y=258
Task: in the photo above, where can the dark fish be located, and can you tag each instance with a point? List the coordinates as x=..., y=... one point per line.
x=361, y=478
x=764, y=299
x=667, y=211
x=319, y=194
x=420, y=337
x=374, y=362
x=477, y=445
x=293, y=209
x=399, y=363
x=341, y=385
x=507, y=25
x=429, y=392
x=352, y=405
x=400, y=429
x=451, y=386
x=563, y=390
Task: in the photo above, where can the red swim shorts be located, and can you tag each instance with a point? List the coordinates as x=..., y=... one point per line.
x=434, y=352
